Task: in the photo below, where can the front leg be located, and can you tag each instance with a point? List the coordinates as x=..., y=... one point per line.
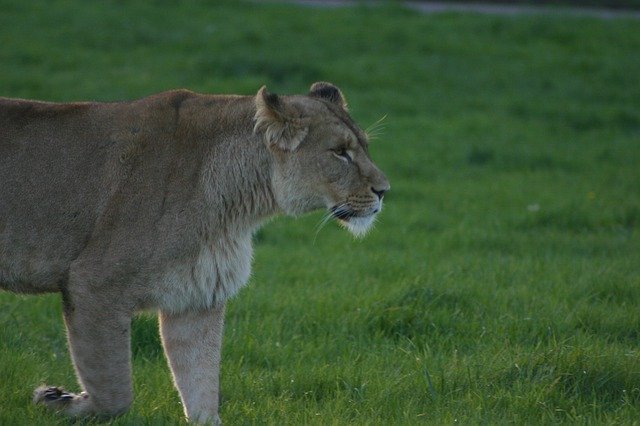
x=98, y=330
x=192, y=343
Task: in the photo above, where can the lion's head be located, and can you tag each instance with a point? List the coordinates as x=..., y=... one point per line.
x=321, y=156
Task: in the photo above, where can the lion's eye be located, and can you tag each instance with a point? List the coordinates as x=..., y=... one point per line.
x=343, y=154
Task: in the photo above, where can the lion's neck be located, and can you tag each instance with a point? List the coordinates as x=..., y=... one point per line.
x=238, y=175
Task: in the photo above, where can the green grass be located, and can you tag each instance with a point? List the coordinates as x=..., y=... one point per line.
x=502, y=283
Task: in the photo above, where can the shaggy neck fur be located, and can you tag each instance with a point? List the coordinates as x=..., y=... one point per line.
x=239, y=183
x=234, y=195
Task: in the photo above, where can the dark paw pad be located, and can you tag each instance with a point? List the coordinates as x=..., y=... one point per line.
x=65, y=397
x=52, y=395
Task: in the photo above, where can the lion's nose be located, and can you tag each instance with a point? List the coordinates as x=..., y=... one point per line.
x=379, y=191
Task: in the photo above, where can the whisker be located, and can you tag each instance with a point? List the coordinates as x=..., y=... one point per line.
x=376, y=132
x=323, y=222
x=374, y=129
x=377, y=122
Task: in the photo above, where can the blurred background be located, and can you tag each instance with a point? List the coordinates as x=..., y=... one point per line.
x=502, y=280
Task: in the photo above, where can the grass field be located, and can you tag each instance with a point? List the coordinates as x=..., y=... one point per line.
x=502, y=282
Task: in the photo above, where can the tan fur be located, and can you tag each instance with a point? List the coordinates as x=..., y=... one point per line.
x=151, y=204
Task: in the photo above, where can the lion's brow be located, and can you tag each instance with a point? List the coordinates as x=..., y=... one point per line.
x=344, y=117
x=362, y=140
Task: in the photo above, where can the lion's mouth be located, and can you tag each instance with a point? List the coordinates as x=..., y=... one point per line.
x=342, y=213
x=345, y=213
x=357, y=222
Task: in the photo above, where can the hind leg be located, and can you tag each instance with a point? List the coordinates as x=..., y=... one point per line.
x=99, y=342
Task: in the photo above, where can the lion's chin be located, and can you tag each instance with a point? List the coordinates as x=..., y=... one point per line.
x=358, y=225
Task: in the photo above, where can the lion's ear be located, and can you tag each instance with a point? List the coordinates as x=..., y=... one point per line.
x=329, y=92
x=277, y=121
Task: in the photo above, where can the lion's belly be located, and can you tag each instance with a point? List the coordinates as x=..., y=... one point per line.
x=218, y=273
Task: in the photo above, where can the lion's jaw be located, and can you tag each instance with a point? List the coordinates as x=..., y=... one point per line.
x=358, y=222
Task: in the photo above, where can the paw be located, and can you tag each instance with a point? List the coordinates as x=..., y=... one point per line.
x=51, y=395
x=57, y=398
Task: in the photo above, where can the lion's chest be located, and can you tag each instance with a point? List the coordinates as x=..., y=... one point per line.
x=214, y=275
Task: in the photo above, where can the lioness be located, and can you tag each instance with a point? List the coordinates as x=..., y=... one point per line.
x=151, y=204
